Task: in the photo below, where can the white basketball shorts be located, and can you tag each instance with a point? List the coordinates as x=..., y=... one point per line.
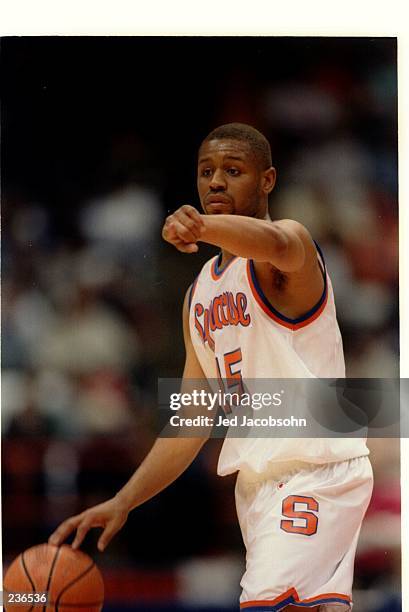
x=300, y=525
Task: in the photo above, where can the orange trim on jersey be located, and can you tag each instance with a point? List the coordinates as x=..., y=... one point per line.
x=280, y=318
x=296, y=599
x=215, y=273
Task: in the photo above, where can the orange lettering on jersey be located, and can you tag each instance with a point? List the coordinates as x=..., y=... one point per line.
x=207, y=335
x=224, y=310
x=234, y=314
x=217, y=312
x=198, y=313
x=244, y=318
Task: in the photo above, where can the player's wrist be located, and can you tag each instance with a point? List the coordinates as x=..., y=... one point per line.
x=208, y=230
x=125, y=501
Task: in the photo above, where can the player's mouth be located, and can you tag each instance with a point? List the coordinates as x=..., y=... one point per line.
x=218, y=204
x=215, y=198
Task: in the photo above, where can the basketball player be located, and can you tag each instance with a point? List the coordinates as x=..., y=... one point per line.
x=263, y=308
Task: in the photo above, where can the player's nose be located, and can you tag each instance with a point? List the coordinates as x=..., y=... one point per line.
x=218, y=180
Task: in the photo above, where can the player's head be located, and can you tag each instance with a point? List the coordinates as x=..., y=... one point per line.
x=235, y=175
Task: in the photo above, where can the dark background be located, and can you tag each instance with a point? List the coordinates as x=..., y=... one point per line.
x=99, y=142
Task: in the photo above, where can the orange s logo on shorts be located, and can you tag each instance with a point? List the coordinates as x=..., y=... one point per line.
x=309, y=519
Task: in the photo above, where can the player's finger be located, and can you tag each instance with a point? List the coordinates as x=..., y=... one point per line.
x=193, y=222
x=182, y=245
x=64, y=530
x=193, y=228
x=184, y=232
x=82, y=531
x=110, y=530
x=193, y=214
x=170, y=234
x=186, y=247
x=168, y=231
x=190, y=216
x=191, y=248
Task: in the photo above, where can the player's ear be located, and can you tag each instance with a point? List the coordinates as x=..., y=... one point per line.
x=268, y=180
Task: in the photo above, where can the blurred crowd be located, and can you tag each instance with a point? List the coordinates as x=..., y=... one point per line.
x=91, y=319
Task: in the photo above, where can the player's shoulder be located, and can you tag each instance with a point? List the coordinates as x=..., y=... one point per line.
x=300, y=232
x=295, y=227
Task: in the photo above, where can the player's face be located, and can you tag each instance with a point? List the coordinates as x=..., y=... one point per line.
x=230, y=181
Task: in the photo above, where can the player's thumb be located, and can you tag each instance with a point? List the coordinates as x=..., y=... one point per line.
x=191, y=247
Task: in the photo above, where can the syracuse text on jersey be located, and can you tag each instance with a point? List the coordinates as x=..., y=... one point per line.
x=224, y=310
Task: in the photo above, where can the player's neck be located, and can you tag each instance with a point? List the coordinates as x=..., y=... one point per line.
x=263, y=213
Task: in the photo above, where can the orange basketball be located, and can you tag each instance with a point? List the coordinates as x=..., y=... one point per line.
x=71, y=579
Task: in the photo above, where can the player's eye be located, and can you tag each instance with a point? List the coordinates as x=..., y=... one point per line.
x=206, y=172
x=233, y=171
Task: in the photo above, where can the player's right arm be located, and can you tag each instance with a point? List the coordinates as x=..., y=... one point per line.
x=168, y=459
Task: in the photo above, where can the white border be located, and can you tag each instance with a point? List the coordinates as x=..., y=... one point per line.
x=261, y=18
x=212, y=17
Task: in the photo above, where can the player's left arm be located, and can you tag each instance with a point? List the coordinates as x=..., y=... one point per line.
x=285, y=244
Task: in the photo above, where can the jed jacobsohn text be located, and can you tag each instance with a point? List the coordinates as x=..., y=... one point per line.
x=213, y=400
x=236, y=421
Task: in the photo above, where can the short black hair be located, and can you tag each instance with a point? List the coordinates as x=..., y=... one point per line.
x=248, y=134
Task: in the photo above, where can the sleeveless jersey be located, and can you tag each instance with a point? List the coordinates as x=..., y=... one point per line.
x=235, y=331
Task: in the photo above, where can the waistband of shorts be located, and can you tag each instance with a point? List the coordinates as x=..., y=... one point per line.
x=275, y=470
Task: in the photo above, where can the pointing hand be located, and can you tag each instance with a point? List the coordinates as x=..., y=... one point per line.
x=183, y=229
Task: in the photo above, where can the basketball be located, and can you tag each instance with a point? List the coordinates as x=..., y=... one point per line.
x=70, y=577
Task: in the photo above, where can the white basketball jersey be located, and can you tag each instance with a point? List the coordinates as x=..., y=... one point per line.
x=236, y=333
